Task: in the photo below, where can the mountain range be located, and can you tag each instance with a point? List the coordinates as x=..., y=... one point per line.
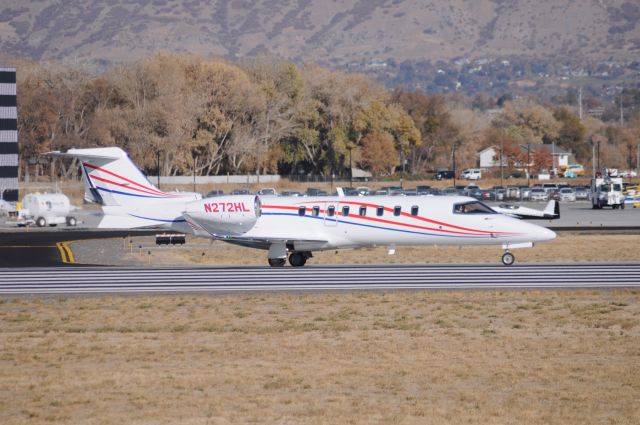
x=330, y=32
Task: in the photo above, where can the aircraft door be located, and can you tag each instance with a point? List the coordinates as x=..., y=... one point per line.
x=331, y=214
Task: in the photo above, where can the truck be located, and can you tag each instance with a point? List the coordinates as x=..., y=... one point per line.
x=607, y=192
x=44, y=209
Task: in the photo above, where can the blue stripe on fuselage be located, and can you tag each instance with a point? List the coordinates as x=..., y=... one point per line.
x=386, y=228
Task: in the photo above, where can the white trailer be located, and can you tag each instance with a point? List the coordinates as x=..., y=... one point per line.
x=607, y=192
x=44, y=209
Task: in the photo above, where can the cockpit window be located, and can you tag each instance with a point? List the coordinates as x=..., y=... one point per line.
x=473, y=207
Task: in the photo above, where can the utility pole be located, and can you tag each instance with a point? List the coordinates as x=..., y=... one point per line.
x=593, y=160
x=580, y=103
x=454, y=163
x=528, y=163
x=501, y=161
x=194, y=172
x=158, y=158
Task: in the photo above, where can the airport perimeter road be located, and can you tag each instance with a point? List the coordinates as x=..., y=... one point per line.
x=132, y=280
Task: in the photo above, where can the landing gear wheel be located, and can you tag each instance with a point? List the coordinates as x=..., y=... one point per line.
x=277, y=262
x=508, y=259
x=297, y=259
x=41, y=222
x=71, y=221
x=622, y=206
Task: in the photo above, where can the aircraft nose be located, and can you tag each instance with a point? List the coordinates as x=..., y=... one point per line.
x=548, y=234
x=542, y=233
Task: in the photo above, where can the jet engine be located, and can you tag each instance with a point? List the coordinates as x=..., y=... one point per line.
x=223, y=215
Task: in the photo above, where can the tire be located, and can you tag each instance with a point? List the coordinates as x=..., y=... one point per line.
x=71, y=221
x=277, y=262
x=41, y=222
x=508, y=259
x=297, y=259
x=622, y=206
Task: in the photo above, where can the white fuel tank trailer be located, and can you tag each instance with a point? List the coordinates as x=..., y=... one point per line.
x=44, y=209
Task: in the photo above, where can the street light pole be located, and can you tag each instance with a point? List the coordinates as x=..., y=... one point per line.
x=350, y=167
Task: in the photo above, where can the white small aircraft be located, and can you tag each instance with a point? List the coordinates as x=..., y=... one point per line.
x=550, y=212
x=294, y=227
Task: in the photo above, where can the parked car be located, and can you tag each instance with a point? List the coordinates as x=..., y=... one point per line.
x=566, y=194
x=539, y=194
x=582, y=193
x=471, y=174
x=444, y=174
x=215, y=192
x=241, y=192
x=290, y=193
x=450, y=191
x=423, y=190
x=267, y=191
x=548, y=187
x=513, y=192
x=525, y=192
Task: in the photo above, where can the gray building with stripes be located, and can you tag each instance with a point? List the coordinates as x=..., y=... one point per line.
x=8, y=135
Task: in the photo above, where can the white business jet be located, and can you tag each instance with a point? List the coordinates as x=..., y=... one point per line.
x=294, y=227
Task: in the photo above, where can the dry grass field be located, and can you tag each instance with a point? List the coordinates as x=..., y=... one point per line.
x=417, y=357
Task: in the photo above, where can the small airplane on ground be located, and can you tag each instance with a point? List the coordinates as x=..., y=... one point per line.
x=551, y=211
x=294, y=227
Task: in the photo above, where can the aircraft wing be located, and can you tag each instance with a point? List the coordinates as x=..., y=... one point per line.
x=551, y=211
x=263, y=242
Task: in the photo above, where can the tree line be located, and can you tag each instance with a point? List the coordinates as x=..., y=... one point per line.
x=182, y=112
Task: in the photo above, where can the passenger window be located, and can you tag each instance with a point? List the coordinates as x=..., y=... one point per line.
x=345, y=211
x=363, y=210
x=331, y=211
x=301, y=211
x=414, y=210
x=315, y=211
x=397, y=210
x=379, y=211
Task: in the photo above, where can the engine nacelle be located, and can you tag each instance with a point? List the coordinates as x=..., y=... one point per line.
x=224, y=215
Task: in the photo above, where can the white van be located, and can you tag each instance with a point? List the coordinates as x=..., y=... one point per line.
x=471, y=174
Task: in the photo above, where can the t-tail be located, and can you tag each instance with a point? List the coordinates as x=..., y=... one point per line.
x=128, y=198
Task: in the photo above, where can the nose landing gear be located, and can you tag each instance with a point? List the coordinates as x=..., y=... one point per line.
x=508, y=258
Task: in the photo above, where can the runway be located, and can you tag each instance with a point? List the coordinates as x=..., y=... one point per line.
x=83, y=280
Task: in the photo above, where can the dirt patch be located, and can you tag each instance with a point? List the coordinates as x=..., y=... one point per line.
x=416, y=357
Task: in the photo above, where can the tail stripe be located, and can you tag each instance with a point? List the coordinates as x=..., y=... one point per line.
x=127, y=187
x=104, y=189
x=147, y=188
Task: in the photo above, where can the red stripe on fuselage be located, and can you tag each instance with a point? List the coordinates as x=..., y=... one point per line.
x=467, y=231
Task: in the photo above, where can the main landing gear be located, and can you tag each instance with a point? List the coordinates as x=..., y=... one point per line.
x=296, y=259
x=508, y=258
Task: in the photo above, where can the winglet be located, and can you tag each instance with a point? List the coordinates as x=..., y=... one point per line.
x=340, y=192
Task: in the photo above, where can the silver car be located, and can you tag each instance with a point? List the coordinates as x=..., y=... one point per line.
x=567, y=194
x=538, y=194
